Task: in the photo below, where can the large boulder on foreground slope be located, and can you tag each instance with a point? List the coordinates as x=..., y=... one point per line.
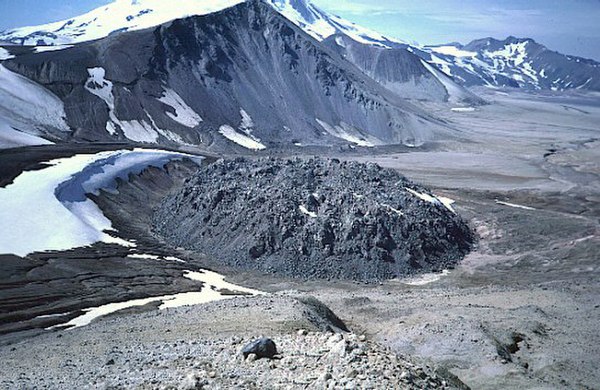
x=313, y=218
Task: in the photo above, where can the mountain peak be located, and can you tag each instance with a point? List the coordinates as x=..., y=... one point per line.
x=128, y=15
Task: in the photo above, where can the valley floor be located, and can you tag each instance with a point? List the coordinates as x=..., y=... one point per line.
x=521, y=311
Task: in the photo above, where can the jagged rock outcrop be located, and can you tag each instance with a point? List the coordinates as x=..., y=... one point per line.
x=313, y=218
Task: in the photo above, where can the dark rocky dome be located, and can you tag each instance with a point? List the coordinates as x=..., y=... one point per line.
x=313, y=218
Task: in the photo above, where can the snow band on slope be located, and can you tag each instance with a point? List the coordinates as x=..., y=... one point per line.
x=48, y=209
x=211, y=291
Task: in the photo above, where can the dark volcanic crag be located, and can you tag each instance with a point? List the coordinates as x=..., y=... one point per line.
x=312, y=218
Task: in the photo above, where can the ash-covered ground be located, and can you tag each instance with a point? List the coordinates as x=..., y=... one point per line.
x=313, y=218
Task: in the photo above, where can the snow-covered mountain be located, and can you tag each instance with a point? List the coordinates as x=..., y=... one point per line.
x=129, y=15
x=246, y=75
x=402, y=72
x=513, y=62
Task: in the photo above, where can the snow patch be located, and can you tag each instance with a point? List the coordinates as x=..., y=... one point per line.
x=453, y=51
x=447, y=202
x=305, y=211
x=48, y=209
x=5, y=54
x=99, y=86
x=518, y=206
x=439, y=200
x=247, y=123
x=145, y=256
x=11, y=138
x=394, y=210
x=128, y=15
x=425, y=279
x=455, y=93
x=347, y=133
x=24, y=101
x=43, y=49
x=463, y=109
x=423, y=196
x=241, y=139
x=516, y=53
x=184, y=114
x=138, y=131
x=210, y=292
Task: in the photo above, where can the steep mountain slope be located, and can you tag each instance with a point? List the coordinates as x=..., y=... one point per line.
x=245, y=74
x=514, y=62
x=401, y=71
x=130, y=15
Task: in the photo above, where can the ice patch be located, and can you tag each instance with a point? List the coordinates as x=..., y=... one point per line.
x=184, y=114
x=241, y=139
x=518, y=206
x=463, y=109
x=48, y=209
x=210, y=292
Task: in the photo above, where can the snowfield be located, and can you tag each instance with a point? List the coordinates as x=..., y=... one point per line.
x=25, y=104
x=48, y=209
x=11, y=138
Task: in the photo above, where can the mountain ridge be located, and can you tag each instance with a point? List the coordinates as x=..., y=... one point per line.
x=542, y=69
x=514, y=62
x=245, y=75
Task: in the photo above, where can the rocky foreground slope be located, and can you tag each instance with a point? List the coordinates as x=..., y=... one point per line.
x=313, y=218
x=200, y=347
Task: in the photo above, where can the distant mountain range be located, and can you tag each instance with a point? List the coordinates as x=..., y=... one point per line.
x=250, y=74
x=513, y=62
